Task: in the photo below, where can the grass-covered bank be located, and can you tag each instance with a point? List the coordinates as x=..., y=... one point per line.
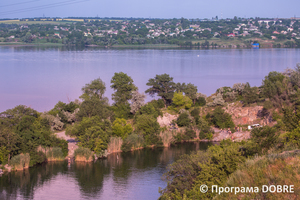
x=272, y=169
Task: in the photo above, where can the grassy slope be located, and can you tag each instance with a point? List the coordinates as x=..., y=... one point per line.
x=273, y=169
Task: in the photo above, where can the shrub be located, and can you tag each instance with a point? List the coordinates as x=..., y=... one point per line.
x=189, y=134
x=200, y=101
x=250, y=94
x=183, y=119
x=221, y=119
x=293, y=137
x=83, y=154
x=205, y=130
x=93, y=133
x=217, y=101
x=55, y=154
x=150, y=108
x=180, y=101
x=211, y=167
x=37, y=157
x=195, y=112
x=133, y=141
x=3, y=155
x=120, y=128
x=262, y=139
x=147, y=125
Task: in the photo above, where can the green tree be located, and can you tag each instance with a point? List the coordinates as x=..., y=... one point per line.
x=278, y=89
x=191, y=91
x=183, y=119
x=149, y=127
x=94, y=89
x=250, y=94
x=93, y=133
x=163, y=86
x=123, y=86
x=120, y=128
x=94, y=107
x=9, y=142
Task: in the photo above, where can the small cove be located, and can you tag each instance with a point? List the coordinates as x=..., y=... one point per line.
x=135, y=175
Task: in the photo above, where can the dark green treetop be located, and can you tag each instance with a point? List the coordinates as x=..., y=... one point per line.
x=123, y=86
x=163, y=86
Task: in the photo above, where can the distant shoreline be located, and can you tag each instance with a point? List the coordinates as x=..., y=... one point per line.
x=18, y=44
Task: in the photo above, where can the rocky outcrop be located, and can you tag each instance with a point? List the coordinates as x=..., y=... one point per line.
x=224, y=135
x=248, y=115
x=166, y=120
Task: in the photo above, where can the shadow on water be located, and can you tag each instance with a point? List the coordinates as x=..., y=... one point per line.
x=122, y=168
x=23, y=183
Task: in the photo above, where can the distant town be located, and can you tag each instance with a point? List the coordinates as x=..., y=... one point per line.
x=206, y=33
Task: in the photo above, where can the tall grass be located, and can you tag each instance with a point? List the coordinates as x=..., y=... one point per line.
x=133, y=141
x=83, y=154
x=55, y=154
x=267, y=170
x=20, y=162
x=167, y=138
x=114, y=144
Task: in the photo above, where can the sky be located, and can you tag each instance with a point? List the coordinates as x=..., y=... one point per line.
x=190, y=9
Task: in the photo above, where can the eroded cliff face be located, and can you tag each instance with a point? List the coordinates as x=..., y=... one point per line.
x=248, y=115
x=166, y=120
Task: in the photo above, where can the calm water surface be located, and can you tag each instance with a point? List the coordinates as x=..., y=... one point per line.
x=41, y=76
x=135, y=175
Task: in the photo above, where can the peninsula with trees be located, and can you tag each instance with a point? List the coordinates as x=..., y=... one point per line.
x=268, y=155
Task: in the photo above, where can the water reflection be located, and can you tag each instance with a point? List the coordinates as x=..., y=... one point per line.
x=134, y=175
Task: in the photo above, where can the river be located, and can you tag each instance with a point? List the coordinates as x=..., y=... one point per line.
x=39, y=77
x=134, y=175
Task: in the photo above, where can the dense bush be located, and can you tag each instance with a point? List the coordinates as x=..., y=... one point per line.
x=3, y=155
x=149, y=109
x=148, y=126
x=211, y=168
x=200, y=101
x=121, y=129
x=180, y=101
x=37, y=157
x=206, y=131
x=250, y=94
x=262, y=139
x=221, y=119
x=195, y=112
x=183, y=120
x=93, y=133
x=95, y=107
x=189, y=134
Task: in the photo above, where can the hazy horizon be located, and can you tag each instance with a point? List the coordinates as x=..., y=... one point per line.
x=145, y=9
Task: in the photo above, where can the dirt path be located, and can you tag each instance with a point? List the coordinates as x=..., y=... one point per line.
x=72, y=144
